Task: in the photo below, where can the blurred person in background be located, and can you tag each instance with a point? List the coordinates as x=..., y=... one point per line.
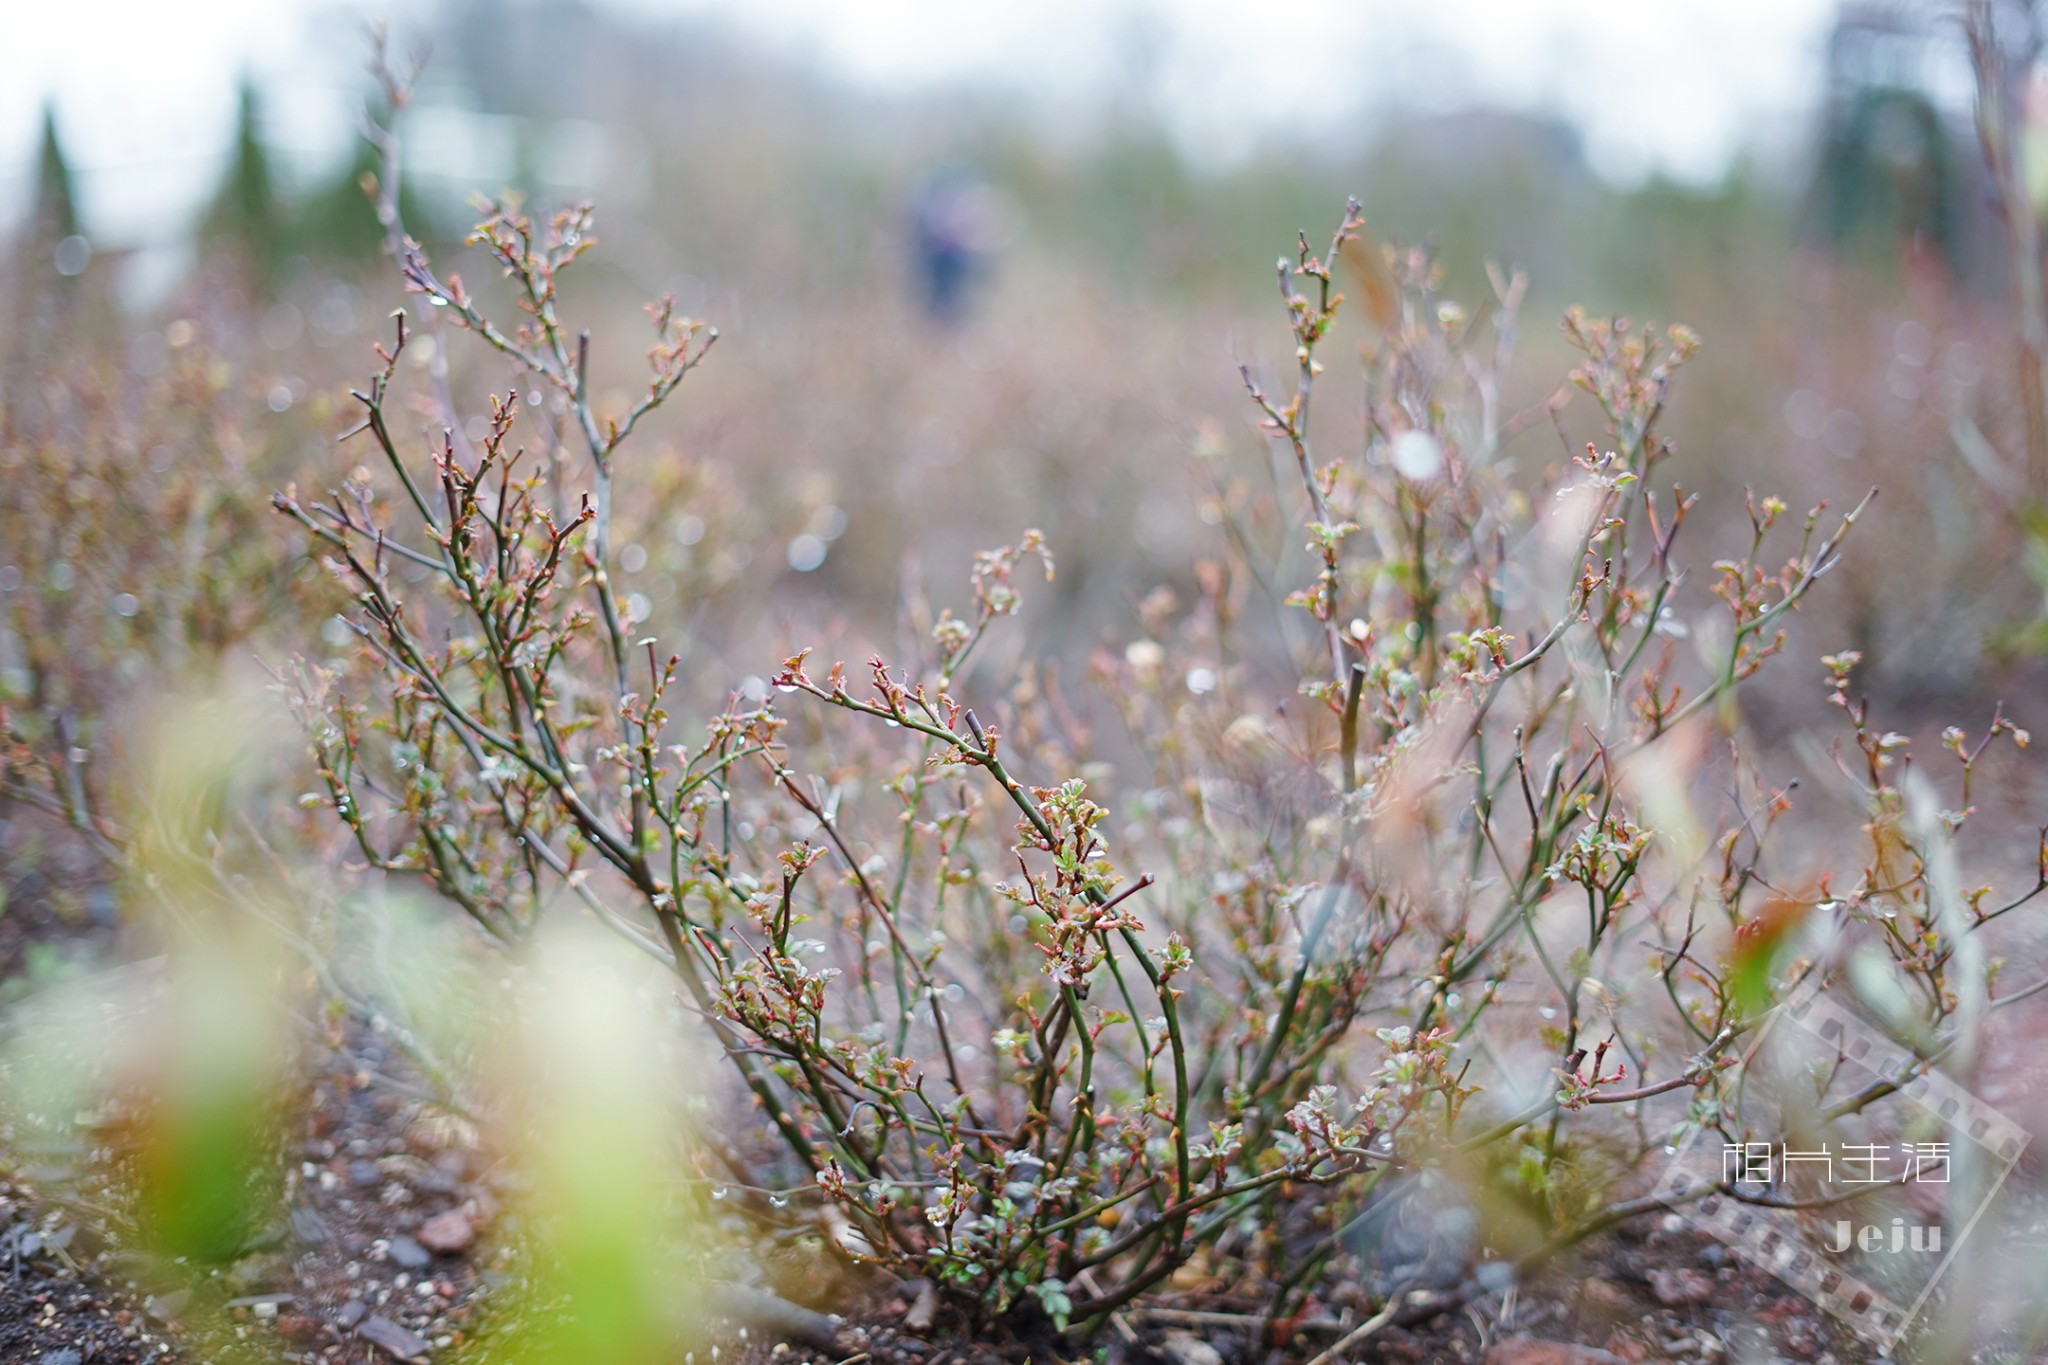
x=956, y=221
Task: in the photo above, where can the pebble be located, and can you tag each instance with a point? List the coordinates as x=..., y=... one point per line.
x=297, y=1328
x=166, y=1307
x=407, y=1254
x=1533, y=1351
x=1185, y=1348
x=918, y=1316
x=252, y=1274
x=449, y=1233
x=1605, y=1295
x=1631, y=1351
x=389, y=1336
x=1680, y=1285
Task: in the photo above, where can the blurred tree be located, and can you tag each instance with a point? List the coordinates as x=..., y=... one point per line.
x=1887, y=174
x=1892, y=180
x=245, y=224
x=338, y=221
x=55, y=214
x=55, y=252
x=46, y=290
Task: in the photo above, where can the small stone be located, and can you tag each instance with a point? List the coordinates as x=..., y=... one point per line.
x=254, y=1274
x=1604, y=1296
x=388, y=1336
x=350, y=1314
x=449, y=1233
x=918, y=1317
x=1531, y=1351
x=1800, y=1338
x=308, y=1226
x=1185, y=1348
x=1682, y=1285
x=298, y=1328
x=62, y=1356
x=166, y=1307
x=407, y=1254
x=1633, y=1350
x=269, y=1237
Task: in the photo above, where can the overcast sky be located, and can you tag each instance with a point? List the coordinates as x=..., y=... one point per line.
x=144, y=89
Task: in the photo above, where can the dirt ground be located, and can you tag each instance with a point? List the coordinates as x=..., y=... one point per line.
x=346, y=1275
x=391, y=1240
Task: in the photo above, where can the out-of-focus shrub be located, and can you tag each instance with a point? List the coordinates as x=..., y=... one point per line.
x=1044, y=1017
x=131, y=557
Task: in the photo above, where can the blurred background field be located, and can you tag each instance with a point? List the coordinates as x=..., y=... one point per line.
x=1838, y=248
x=966, y=280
